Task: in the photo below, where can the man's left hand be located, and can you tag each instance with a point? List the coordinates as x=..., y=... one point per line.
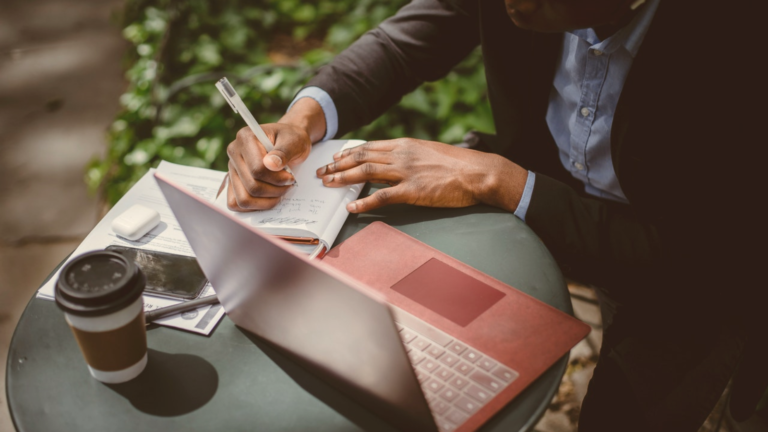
x=426, y=173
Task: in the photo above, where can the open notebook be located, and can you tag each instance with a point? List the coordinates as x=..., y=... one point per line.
x=309, y=210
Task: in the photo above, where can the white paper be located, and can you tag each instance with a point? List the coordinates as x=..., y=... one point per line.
x=310, y=209
x=166, y=237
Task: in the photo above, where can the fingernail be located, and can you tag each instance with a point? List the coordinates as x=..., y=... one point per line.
x=337, y=156
x=321, y=170
x=276, y=160
x=329, y=178
x=352, y=207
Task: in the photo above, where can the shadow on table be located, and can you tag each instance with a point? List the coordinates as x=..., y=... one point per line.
x=318, y=388
x=171, y=384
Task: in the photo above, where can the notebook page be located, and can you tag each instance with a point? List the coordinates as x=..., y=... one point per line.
x=338, y=219
x=310, y=208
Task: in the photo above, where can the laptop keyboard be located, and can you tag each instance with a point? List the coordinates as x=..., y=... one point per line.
x=457, y=379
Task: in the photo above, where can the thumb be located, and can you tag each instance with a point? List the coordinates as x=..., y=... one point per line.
x=275, y=160
x=286, y=150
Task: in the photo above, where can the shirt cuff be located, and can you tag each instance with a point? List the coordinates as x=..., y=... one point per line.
x=326, y=103
x=525, y=200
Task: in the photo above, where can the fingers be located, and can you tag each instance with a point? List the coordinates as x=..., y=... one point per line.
x=259, y=196
x=246, y=153
x=380, y=198
x=358, y=158
x=246, y=146
x=369, y=147
x=257, y=179
x=367, y=172
x=372, y=161
x=290, y=148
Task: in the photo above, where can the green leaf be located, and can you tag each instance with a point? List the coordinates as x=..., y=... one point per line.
x=305, y=13
x=208, y=148
x=417, y=100
x=207, y=51
x=184, y=127
x=234, y=38
x=273, y=81
x=453, y=134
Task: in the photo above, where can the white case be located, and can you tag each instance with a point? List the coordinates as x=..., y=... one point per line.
x=135, y=222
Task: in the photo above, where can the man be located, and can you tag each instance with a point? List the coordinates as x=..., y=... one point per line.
x=619, y=124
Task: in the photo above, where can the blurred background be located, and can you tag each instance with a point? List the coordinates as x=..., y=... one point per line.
x=93, y=93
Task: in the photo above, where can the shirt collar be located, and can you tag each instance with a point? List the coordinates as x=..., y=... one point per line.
x=629, y=36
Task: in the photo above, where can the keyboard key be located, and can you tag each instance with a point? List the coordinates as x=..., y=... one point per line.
x=449, y=359
x=416, y=357
x=399, y=327
x=434, y=385
x=505, y=374
x=419, y=343
x=421, y=376
x=486, y=381
x=471, y=355
x=456, y=417
x=421, y=327
x=429, y=365
x=449, y=394
x=458, y=382
x=445, y=374
x=486, y=364
x=445, y=426
x=439, y=407
x=407, y=336
x=477, y=393
x=463, y=368
x=430, y=398
x=467, y=405
x=435, y=351
x=457, y=347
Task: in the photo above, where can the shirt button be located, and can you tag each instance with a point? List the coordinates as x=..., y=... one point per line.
x=585, y=111
x=578, y=166
x=597, y=52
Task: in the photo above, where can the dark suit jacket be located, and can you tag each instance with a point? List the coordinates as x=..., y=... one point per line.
x=683, y=133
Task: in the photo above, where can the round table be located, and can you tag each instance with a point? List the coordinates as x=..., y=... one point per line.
x=227, y=382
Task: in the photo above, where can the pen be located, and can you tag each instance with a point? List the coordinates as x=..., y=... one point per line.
x=151, y=316
x=239, y=107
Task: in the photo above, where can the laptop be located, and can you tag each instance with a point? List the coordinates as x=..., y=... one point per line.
x=407, y=359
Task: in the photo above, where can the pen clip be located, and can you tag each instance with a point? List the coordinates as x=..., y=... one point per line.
x=226, y=90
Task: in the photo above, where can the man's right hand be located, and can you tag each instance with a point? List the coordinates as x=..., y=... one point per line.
x=257, y=180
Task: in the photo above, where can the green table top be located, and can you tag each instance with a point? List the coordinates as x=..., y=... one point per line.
x=228, y=382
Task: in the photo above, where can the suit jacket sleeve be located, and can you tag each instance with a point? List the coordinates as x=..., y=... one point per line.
x=422, y=42
x=591, y=238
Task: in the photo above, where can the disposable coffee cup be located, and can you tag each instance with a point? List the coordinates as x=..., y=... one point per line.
x=100, y=294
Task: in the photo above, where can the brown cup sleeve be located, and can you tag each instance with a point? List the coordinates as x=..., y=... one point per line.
x=116, y=349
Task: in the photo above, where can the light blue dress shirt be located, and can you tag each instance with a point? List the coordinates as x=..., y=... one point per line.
x=588, y=81
x=326, y=103
x=587, y=85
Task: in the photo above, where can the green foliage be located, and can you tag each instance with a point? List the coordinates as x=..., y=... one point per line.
x=268, y=49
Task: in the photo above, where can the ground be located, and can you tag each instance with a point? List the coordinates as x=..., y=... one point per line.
x=60, y=80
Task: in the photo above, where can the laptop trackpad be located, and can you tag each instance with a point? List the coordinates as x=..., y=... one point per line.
x=448, y=292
